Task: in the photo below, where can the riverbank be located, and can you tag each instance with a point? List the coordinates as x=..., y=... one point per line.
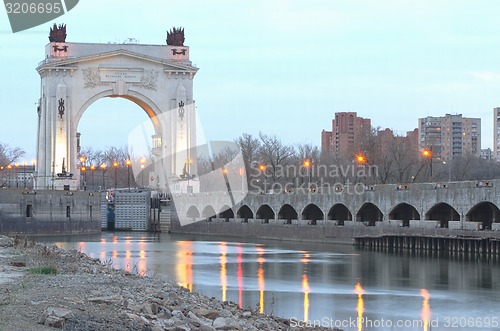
x=44, y=287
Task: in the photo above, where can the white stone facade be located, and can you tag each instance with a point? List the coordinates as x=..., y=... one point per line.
x=157, y=78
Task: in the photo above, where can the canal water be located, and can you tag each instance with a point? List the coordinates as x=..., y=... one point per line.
x=323, y=284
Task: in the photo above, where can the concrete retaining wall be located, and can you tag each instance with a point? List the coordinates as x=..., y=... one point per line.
x=48, y=212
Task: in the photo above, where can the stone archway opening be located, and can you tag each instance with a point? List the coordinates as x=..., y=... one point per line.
x=265, y=213
x=339, y=213
x=226, y=213
x=484, y=212
x=369, y=214
x=287, y=213
x=245, y=213
x=312, y=213
x=443, y=213
x=208, y=213
x=193, y=213
x=404, y=212
x=104, y=130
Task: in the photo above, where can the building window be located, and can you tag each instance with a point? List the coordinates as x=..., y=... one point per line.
x=90, y=212
x=29, y=210
x=68, y=211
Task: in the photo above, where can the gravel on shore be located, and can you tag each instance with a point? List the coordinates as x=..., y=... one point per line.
x=46, y=288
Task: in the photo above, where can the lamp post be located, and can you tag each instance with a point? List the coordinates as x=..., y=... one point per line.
x=128, y=163
x=262, y=168
x=308, y=165
x=115, y=165
x=24, y=173
x=84, y=169
x=427, y=153
x=143, y=163
x=17, y=174
x=10, y=173
x=361, y=160
x=103, y=168
x=92, y=168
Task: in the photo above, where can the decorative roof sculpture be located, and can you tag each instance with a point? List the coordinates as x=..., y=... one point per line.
x=175, y=37
x=58, y=33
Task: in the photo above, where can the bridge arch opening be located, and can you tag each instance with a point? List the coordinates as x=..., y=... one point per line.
x=404, y=212
x=312, y=213
x=208, y=213
x=369, y=214
x=287, y=213
x=193, y=212
x=443, y=213
x=339, y=213
x=226, y=213
x=244, y=212
x=484, y=212
x=265, y=213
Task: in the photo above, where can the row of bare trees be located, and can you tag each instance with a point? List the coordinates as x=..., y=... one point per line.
x=270, y=163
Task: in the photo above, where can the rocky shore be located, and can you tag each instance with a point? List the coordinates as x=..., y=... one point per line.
x=45, y=288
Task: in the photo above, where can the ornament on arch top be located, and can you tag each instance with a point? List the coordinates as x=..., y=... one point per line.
x=58, y=33
x=175, y=37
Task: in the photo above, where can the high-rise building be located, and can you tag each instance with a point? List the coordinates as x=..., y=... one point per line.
x=347, y=135
x=496, y=133
x=450, y=136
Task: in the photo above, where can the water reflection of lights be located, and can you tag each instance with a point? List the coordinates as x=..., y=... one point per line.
x=239, y=274
x=223, y=271
x=361, y=306
x=142, y=262
x=305, y=289
x=305, y=284
x=260, y=277
x=184, y=265
x=426, y=309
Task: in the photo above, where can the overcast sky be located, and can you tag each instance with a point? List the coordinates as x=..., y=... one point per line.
x=281, y=67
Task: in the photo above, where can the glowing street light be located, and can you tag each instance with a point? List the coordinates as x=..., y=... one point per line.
x=361, y=159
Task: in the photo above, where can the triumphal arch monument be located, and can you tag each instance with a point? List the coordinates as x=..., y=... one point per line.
x=158, y=78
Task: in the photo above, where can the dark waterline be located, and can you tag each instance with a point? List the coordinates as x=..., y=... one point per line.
x=329, y=284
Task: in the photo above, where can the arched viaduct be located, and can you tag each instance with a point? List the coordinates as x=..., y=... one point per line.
x=462, y=206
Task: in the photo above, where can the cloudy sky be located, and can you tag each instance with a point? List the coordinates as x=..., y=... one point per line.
x=281, y=67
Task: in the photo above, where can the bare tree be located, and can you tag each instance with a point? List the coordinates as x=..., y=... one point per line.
x=275, y=155
x=9, y=155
